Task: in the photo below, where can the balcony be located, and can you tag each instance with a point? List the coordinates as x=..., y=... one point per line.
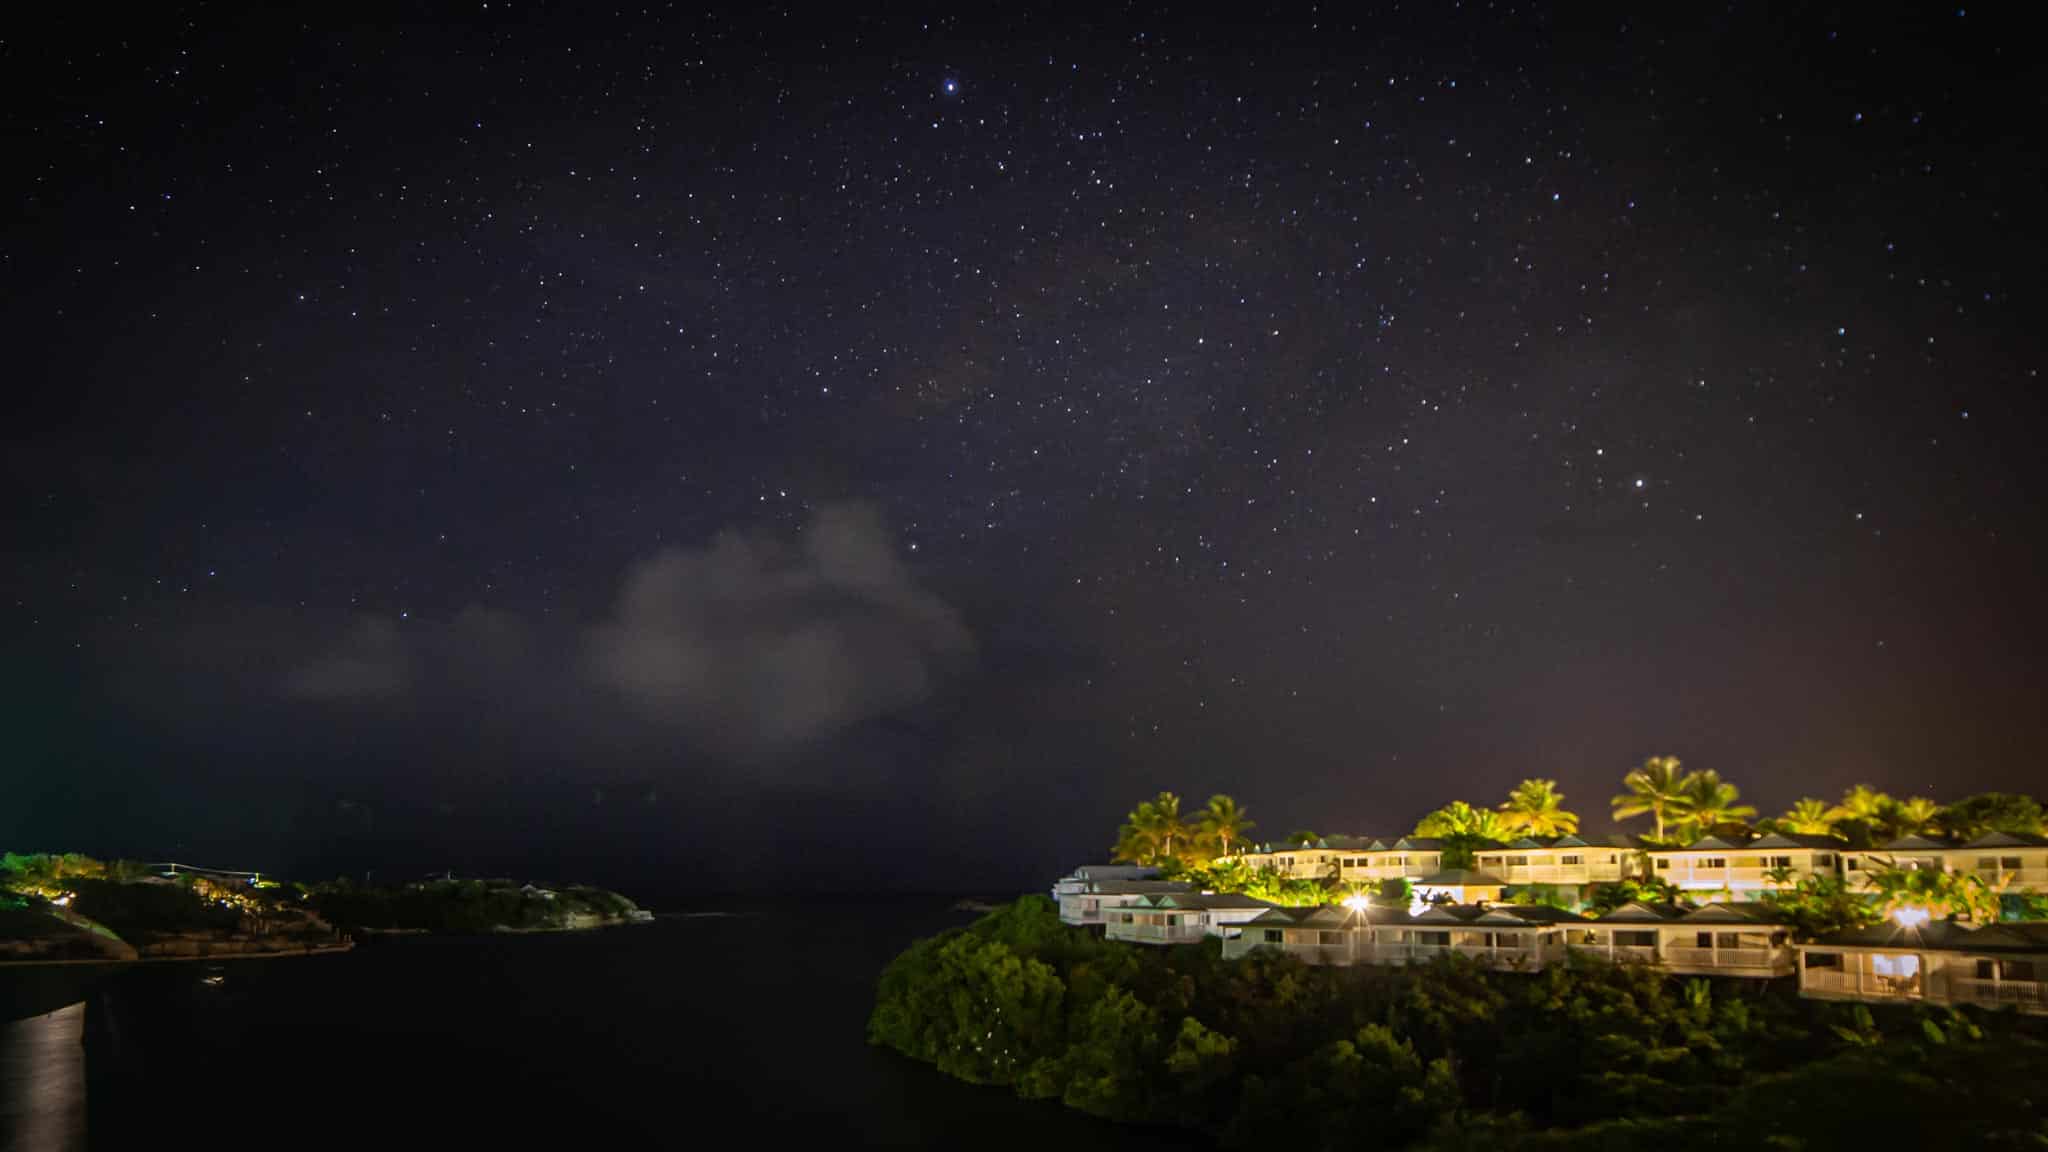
x=1858, y=985
x=2015, y=879
x=1158, y=933
x=1620, y=953
x=1745, y=961
x=2024, y=995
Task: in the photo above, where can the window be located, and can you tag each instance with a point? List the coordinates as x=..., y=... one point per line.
x=1714, y=862
x=1824, y=859
x=1272, y=935
x=1430, y=939
x=1635, y=939
x=1612, y=858
x=1823, y=959
x=2009, y=863
x=1489, y=861
x=1778, y=861
x=1518, y=861
x=1663, y=865
x=1569, y=861
x=1849, y=862
x=1329, y=939
x=1728, y=939
x=1428, y=861
x=1704, y=940
x=2018, y=969
x=1986, y=863
x=1987, y=969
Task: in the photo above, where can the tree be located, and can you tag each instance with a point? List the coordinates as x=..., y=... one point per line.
x=1957, y=895
x=1536, y=808
x=1153, y=833
x=1988, y=812
x=1874, y=810
x=1916, y=815
x=1710, y=802
x=1818, y=905
x=1223, y=822
x=1301, y=836
x=1656, y=790
x=1461, y=819
x=1809, y=817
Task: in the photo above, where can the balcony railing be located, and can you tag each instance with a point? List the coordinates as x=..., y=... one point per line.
x=2032, y=879
x=1621, y=953
x=1158, y=933
x=1742, y=958
x=2026, y=995
x=1863, y=985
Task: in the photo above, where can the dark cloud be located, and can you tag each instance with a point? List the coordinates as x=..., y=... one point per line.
x=370, y=662
x=767, y=644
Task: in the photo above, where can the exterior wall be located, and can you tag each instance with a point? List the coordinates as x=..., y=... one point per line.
x=1903, y=976
x=1086, y=908
x=1158, y=925
x=1577, y=866
x=2020, y=869
x=1388, y=865
x=1740, y=872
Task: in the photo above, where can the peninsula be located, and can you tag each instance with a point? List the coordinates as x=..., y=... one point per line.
x=69, y=908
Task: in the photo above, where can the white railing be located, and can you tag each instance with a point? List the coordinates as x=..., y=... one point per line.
x=1862, y=985
x=1158, y=933
x=1727, y=957
x=2026, y=995
x=1621, y=953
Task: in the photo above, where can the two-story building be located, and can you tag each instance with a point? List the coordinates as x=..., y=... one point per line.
x=1746, y=869
x=1090, y=905
x=1711, y=940
x=1932, y=962
x=1181, y=917
x=2004, y=860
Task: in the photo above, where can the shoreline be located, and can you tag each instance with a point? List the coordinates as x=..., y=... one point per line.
x=109, y=962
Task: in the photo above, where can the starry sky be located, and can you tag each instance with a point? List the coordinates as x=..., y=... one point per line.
x=756, y=451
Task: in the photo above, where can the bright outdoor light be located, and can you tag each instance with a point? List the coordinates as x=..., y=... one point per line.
x=1909, y=917
x=1355, y=903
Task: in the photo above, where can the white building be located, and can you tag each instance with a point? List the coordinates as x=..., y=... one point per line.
x=1746, y=870
x=1938, y=962
x=1181, y=917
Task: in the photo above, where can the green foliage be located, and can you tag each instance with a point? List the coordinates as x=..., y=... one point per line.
x=461, y=906
x=1269, y=1052
x=137, y=912
x=1656, y=790
x=1987, y=812
x=1821, y=904
x=1961, y=895
x=1543, y=896
x=1536, y=808
x=1606, y=897
x=1461, y=820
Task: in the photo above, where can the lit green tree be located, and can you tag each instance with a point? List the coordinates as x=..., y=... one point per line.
x=1536, y=808
x=1809, y=817
x=1987, y=812
x=1655, y=790
x=1711, y=802
x=1223, y=823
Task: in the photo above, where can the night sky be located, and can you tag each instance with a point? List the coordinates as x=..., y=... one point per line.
x=752, y=451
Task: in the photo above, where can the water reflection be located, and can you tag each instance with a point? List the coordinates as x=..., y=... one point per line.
x=42, y=1082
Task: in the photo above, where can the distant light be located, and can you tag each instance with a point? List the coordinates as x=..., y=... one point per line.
x=62, y=901
x=1356, y=903
x=951, y=86
x=1910, y=917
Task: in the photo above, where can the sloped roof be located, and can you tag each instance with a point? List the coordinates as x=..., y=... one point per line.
x=1496, y=915
x=1136, y=887
x=1208, y=900
x=1461, y=877
x=1945, y=936
x=1419, y=843
x=1524, y=842
x=1706, y=844
x=1797, y=840
x=1914, y=844
x=1641, y=912
x=1568, y=841
x=2008, y=840
x=1722, y=913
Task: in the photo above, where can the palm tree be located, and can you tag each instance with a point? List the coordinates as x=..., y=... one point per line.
x=1870, y=808
x=1915, y=815
x=1709, y=801
x=1655, y=789
x=1223, y=821
x=1809, y=817
x=1960, y=895
x=1536, y=808
x=1461, y=819
x=1153, y=831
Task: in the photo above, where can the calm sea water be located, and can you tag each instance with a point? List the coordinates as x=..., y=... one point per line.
x=743, y=1028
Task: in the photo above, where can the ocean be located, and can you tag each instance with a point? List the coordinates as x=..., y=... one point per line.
x=741, y=1028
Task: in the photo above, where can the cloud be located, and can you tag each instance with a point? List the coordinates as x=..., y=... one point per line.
x=371, y=662
x=767, y=644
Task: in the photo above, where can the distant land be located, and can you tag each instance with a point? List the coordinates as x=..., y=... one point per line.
x=70, y=908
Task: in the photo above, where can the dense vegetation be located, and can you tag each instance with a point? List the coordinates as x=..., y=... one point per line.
x=466, y=906
x=1267, y=1052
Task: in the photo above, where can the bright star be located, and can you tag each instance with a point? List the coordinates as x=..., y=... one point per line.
x=951, y=86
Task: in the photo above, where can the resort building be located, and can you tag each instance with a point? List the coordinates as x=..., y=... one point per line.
x=1717, y=940
x=1565, y=861
x=1089, y=906
x=2003, y=860
x=1712, y=940
x=1938, y=962
x=1744, y=870
x=1458, y=886
x=1080, y=878
x=1181, y=917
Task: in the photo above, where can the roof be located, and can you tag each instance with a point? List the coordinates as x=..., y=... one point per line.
x=1462, y=877
x=1496, y=915
x=1797, y=840
x=1641, y=912
x=1211, y=900
x=1136, y=887
x=1914, y=844
x=1944, y=936
x=1115, y=872
x=1722, y=913
x=2008, y=840
x=1704, y=844
x=1419, y=843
